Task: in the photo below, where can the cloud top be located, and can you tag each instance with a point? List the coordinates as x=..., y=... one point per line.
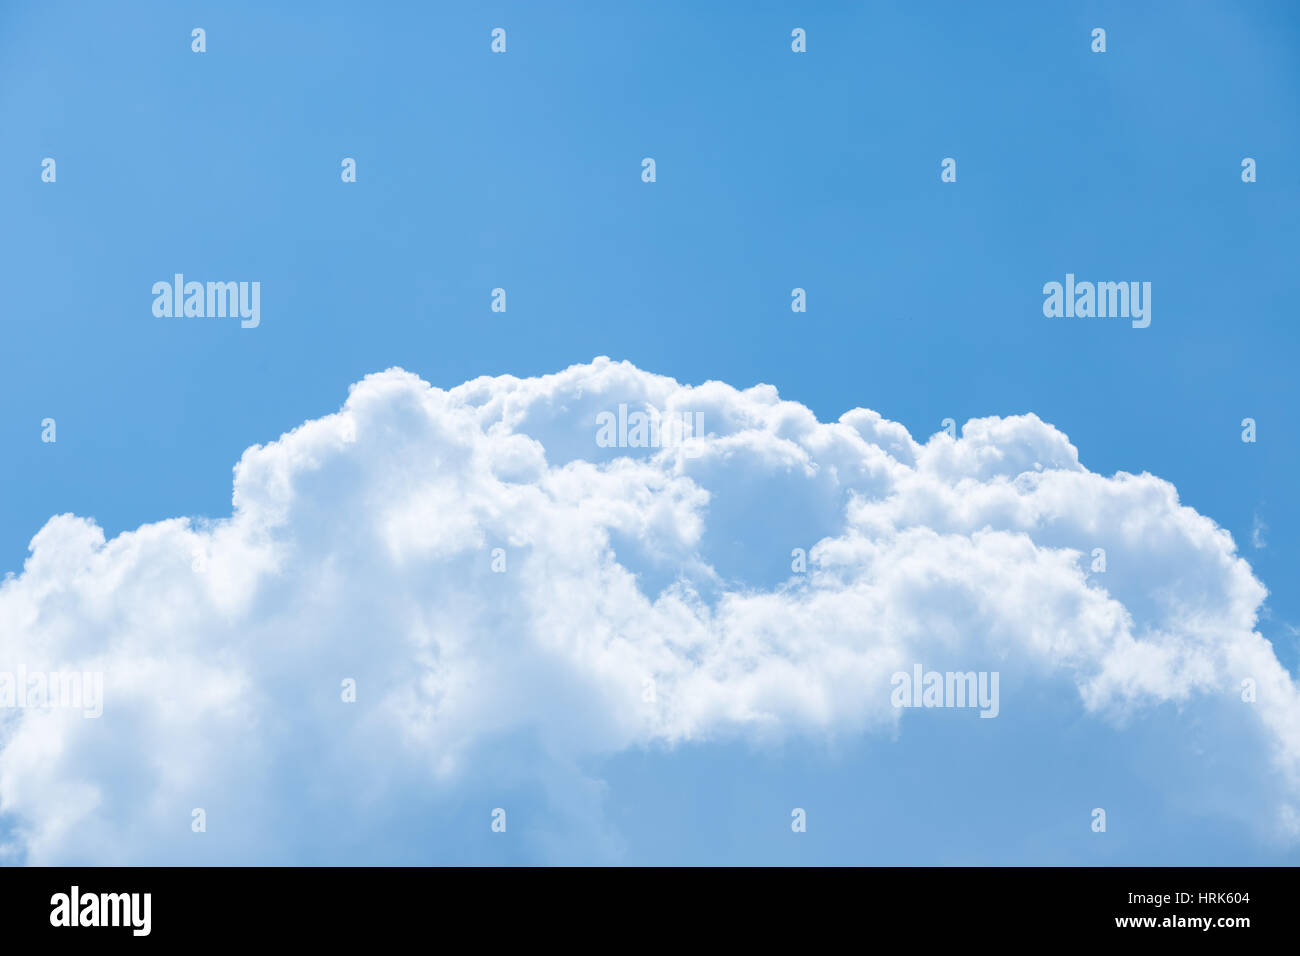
x=485, y=570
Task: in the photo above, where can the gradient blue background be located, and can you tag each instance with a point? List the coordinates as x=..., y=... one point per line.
x=775, y=170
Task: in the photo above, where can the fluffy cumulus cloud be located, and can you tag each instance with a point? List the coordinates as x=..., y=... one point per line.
x=641, y=597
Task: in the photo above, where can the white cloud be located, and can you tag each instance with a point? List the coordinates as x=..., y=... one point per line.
x=360, y=547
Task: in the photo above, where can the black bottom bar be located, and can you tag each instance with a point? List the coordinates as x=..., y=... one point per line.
x=333, y=905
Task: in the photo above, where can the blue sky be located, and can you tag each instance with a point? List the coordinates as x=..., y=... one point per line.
x=774, y=170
